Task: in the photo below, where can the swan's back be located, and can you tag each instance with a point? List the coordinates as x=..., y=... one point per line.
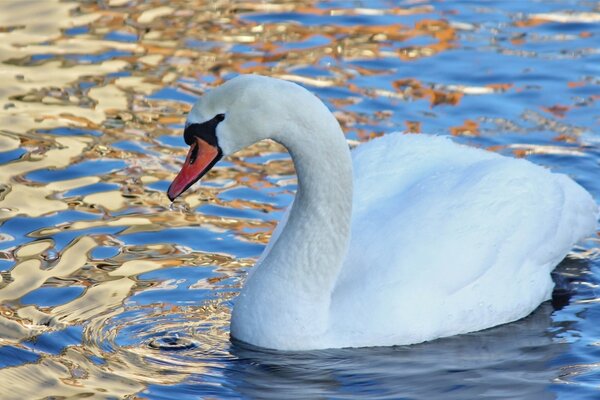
x=468, y=235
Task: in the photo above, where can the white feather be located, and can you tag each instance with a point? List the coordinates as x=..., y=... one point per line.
x=410, y=238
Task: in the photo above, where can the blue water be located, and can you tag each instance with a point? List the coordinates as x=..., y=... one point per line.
x=108, y=291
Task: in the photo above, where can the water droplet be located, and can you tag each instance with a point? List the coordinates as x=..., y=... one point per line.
x=178, y=206
x=50, y=255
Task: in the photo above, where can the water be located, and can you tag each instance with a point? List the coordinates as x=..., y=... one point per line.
x=108, y=291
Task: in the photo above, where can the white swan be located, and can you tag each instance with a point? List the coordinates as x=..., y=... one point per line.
x=409, y=239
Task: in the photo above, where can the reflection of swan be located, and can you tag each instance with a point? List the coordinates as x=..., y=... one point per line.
x=438, y=238
x=510, y=361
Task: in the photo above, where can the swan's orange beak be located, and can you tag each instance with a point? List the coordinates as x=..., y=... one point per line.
x=200, y=159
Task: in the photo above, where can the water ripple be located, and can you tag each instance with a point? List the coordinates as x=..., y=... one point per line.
x=108, y=290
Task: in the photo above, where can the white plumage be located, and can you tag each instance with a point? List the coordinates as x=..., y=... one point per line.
x=449, y=239
x=411, y=238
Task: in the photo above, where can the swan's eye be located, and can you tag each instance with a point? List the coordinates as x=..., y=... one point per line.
x=205, y=131
x=193, y=153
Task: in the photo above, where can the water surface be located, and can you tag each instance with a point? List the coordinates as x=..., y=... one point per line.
x=106, y=290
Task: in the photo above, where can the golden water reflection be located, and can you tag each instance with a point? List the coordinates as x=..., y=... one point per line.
x=93, y=96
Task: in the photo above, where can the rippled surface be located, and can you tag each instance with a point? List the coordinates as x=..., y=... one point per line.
x=108, y=291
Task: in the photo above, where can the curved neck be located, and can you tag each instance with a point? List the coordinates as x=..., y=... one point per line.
x=292, y=284
x=311, y=248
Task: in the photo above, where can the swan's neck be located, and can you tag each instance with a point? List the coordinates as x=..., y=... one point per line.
x=290, y=288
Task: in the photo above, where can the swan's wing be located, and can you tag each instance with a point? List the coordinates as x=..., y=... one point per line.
x=434, y=217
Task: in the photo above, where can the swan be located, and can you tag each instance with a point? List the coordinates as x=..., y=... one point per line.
x=406, y=239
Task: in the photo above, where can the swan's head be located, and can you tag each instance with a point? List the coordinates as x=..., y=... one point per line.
x=243, y=111
x=238, y=113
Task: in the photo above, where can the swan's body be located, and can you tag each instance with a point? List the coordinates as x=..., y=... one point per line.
x=411, y=238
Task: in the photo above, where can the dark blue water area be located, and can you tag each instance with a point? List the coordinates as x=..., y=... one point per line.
x=78, y=30
x=11, y=356
x=98, y=58
x=573, y=166
x=120, y=36
x=173, y=93
x=84, y=168
x=56, y=341
x=11, y=155
x=419, y=41
x=30, y=350
x=42, y=57
x=5, y=264
x=86, y=85
x=104, y=252
x=572, y=28
x=50, y=296
x=160, y=186
x=210, y=387
x=119, y=74
x=97, y=360
x=172, y=140
x=310, y=20
x=246, y=49
x=69, y=131
x=197, y=239
x=89, y=189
